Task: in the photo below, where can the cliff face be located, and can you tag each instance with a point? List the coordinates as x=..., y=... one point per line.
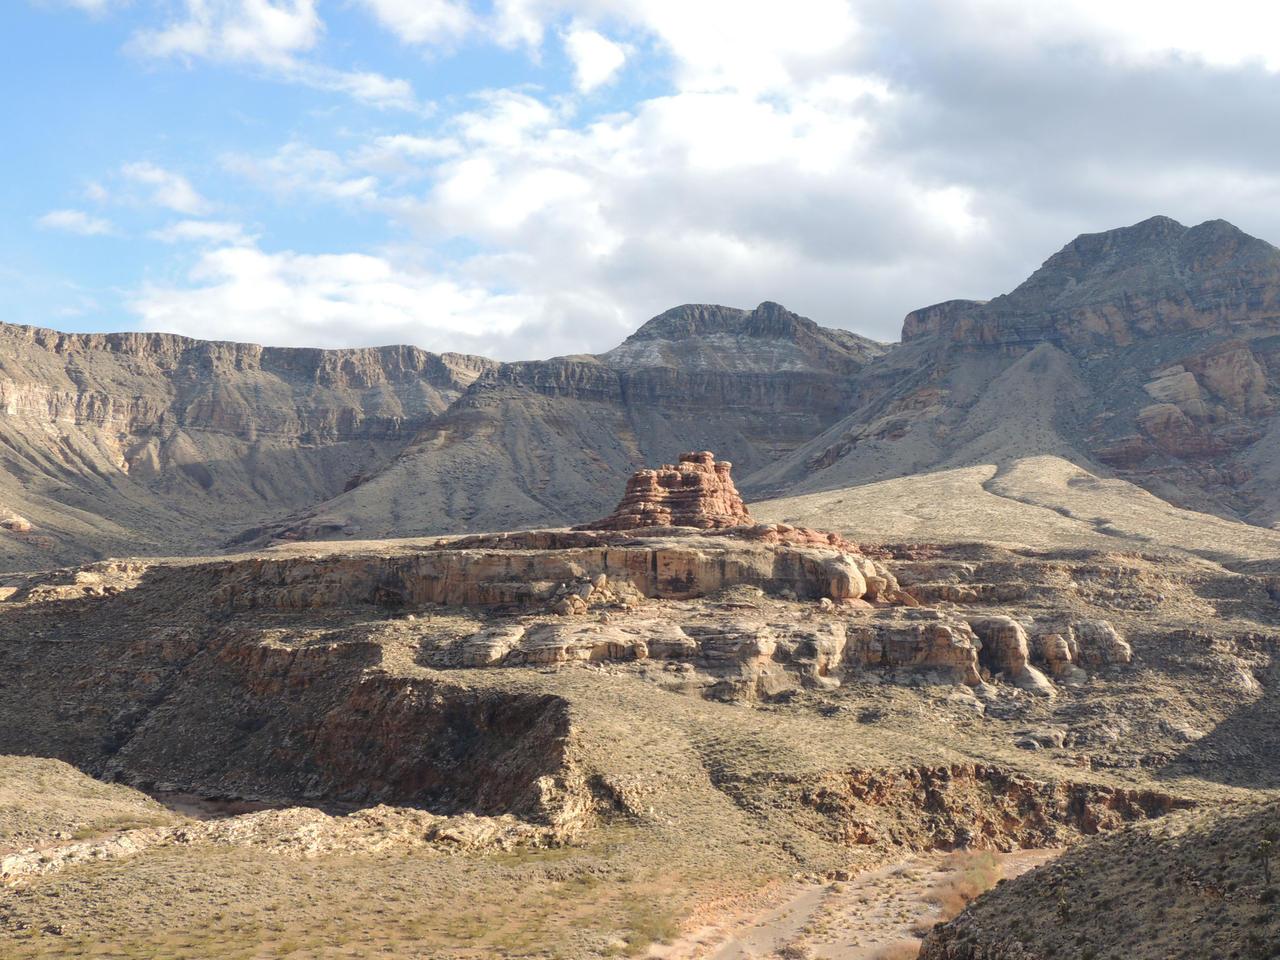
x=1150, y=351
x=143, y=443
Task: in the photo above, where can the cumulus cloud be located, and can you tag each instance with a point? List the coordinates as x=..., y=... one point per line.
x=423, y=21
x=329, y=300
x=75, y=221
x=168, y=189
x=596, y=58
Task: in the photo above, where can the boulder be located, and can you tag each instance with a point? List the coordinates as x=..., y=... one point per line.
x=1004, y=643
x=1099, y=643
x=844, y=579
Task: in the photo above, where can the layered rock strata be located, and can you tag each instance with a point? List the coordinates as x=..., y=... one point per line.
x=695, y=492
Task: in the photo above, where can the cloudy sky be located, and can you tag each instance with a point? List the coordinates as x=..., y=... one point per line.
x=525, y=178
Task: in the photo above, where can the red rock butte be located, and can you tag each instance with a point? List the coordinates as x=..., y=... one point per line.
x=696, y=492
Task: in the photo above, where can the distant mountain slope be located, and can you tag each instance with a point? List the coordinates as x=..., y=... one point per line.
x=1152, y=351
x=1148, y=354
x=552, y=442
x=151, y=443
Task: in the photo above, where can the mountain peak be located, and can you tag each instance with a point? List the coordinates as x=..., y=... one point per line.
x=768, y=320
x=1152, y=276
x=705, y=336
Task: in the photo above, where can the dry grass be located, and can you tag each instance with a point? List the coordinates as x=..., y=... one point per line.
x=972, y=873
x=902, y=950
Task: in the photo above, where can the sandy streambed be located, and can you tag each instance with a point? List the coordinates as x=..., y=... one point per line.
x=877, y=915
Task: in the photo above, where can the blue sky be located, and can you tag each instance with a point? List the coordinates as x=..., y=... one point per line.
x=534, y=177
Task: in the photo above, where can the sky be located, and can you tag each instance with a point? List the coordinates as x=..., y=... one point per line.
x=530, y=178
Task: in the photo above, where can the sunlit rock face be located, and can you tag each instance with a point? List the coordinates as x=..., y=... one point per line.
x=696, y=492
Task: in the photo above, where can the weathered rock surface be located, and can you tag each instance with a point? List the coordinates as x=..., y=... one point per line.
x=696, y=491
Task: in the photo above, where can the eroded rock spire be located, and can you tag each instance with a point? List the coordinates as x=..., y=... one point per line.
x=695, y=492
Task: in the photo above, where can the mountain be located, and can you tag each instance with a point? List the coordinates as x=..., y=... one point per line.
x=1150, y=353
x=149, y=443
x=550, y=443
x=1147, y=355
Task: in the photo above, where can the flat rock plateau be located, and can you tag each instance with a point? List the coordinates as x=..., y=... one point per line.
x=966, y=649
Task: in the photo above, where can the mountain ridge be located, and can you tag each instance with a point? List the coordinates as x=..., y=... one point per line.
x=1150, y=353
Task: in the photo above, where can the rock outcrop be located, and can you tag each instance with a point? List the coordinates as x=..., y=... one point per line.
x=695, y=492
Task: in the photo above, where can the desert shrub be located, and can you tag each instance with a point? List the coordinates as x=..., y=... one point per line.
x=972, y=873
x=902, y=950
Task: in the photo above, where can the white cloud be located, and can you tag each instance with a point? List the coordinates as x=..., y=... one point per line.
x=596, y=58
x=519, y=23
x=371, y=88
x=713, y=44
x=423, y=21
x=169, y=189
x=404, y=155
x=1224, y=33
x=75, y=221
x=202, y=231
x=328, y=300
x=252, y=31
x=298, y=168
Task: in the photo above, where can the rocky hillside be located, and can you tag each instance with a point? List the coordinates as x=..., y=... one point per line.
x=1193, y=885
x=1150, y=352
x=550, y=442
x=148, y=443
